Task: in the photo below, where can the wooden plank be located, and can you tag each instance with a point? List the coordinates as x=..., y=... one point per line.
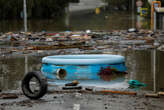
x=8, y=96
x=72, y=87
x=152, y=95
x=161, y=93
x=119, y=92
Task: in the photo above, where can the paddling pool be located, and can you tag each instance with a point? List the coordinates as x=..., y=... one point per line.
x=81, y=67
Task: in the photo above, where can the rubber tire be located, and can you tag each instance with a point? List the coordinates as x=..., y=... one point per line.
x=42, y=82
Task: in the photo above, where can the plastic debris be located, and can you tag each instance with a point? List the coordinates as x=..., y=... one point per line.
x=88, y=31
x=136, y=83
x=132, y=30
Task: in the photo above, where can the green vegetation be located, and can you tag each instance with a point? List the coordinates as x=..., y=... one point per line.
x=10, y=9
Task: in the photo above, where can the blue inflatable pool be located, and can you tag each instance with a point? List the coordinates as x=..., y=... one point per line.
x=82, y=67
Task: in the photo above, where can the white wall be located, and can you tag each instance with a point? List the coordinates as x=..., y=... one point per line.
x=86, y=5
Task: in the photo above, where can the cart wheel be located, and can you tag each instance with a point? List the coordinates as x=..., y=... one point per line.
x=34, y=85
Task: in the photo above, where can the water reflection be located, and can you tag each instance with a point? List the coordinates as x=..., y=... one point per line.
x=142, y=22
x=139, y=63
x=12, y=71
x=109, y=74
x=160, y=71
x=104, y=21
x=35, y=25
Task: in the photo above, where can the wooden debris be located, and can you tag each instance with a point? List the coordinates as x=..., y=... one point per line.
x=161, y=93
x=152, y=95
x=74, y=83
x=8, y=96
x=119, y=92
x=88, y=89
x=72, y=88
x=13, y=39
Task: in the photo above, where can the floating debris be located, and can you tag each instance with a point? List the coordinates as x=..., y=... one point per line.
x=74, y=83
x=135, y=83
x=92, y=41
x=72, y=88
x=132, y=30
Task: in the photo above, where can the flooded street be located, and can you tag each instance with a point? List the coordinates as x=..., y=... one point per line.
x=79, y=16
x=74, y=22
x=82, y=27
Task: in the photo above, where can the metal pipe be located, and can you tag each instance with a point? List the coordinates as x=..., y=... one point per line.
x=155, y=21
x=154, y=69
x=133, y=14
x=26, y=64
x=25, y=15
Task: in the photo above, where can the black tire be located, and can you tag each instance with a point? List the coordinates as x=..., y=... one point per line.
x=42, y=85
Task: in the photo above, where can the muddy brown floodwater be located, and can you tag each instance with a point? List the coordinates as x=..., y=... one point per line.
x=140, y=67
x=139, y=63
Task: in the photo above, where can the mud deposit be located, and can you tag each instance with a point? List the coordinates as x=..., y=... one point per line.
x=84, y=101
